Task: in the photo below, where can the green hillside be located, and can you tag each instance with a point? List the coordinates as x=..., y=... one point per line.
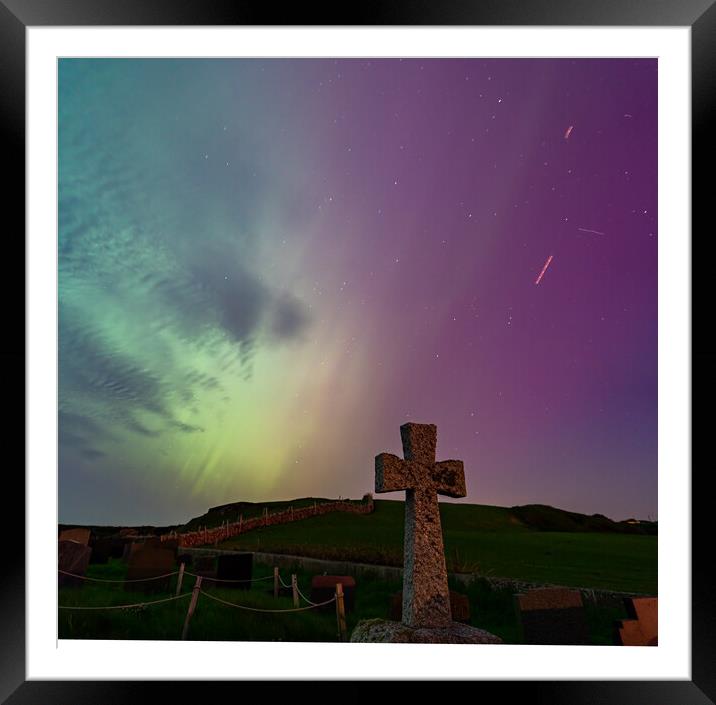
x=535, y=543
x=468, y=516
x=491, y=541
x=216, y=516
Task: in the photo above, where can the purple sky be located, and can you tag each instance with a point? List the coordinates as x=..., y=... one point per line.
x=364, y=237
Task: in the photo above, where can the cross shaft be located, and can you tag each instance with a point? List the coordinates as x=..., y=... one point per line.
x=426, y=597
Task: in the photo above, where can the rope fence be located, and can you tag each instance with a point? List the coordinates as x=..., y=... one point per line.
x=124, y=607
x=196, y=591
x=237, y=580
x=315, y=604
x=103, y=580
x=256, y=609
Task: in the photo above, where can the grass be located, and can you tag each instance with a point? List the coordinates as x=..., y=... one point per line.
x=481, y=540
x=489, y=541
x=492, y=610
x=211, y=621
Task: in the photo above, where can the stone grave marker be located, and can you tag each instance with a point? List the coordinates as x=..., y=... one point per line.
x=171, y=544
x=323, y=587
x=129, y=548
x=73, y=557
x=101, y=550
x=427, y=616
x=235, y=567
x=185, y=558
x=459, y=606
x=552, y=616
x=80, y=535
x=205, y=566
x=150, y=561
x=116, y=547
x=642, y=627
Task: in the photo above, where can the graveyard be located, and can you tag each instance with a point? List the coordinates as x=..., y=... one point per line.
x=489, y=608
x=331, y=570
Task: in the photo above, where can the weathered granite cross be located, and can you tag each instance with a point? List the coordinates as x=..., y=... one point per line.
x=426, y=598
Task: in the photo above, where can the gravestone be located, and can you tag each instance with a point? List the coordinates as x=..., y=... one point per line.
x=552, y=616
x=427, y=617
x=205, y=566
x=116, y=547
x=459, y=606
x=73, y=557
x=150, y=561
x=237, y=567
x=323, y=587
x=130, y=548
x=80, y=535
x=171, y=544
x=186, y=559
x=101, y=550
x=642, y=627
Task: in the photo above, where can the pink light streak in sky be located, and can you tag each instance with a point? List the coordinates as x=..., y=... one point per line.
x=544, y=269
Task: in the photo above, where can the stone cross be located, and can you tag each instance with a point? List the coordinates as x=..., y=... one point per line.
x=426, y=598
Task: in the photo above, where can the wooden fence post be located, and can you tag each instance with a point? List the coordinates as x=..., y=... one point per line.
x=340, y=612
x=294, y=588
x=179, y=579
x=275, y=582
x=192, y=607
x=241, y=521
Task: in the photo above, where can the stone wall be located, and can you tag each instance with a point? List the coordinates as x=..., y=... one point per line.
x=217, y=534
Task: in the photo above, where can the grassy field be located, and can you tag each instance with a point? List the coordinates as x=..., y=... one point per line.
x=489, y=541
x=490, y=609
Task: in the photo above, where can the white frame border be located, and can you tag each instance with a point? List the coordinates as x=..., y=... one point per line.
x=48, y=658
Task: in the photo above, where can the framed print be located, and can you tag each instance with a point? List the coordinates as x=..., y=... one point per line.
x=276, y=271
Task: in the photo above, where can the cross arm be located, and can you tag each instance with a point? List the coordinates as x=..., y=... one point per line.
x=449, y=478
x=393, y=474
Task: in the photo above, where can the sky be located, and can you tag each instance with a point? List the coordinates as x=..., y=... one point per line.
x=267, y=266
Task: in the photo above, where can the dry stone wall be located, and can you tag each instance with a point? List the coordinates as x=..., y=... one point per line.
x=217, y=534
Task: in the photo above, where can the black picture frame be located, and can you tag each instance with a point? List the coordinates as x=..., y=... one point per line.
x=17, y=15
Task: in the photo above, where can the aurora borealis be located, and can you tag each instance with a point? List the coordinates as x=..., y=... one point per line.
x=267, y=266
